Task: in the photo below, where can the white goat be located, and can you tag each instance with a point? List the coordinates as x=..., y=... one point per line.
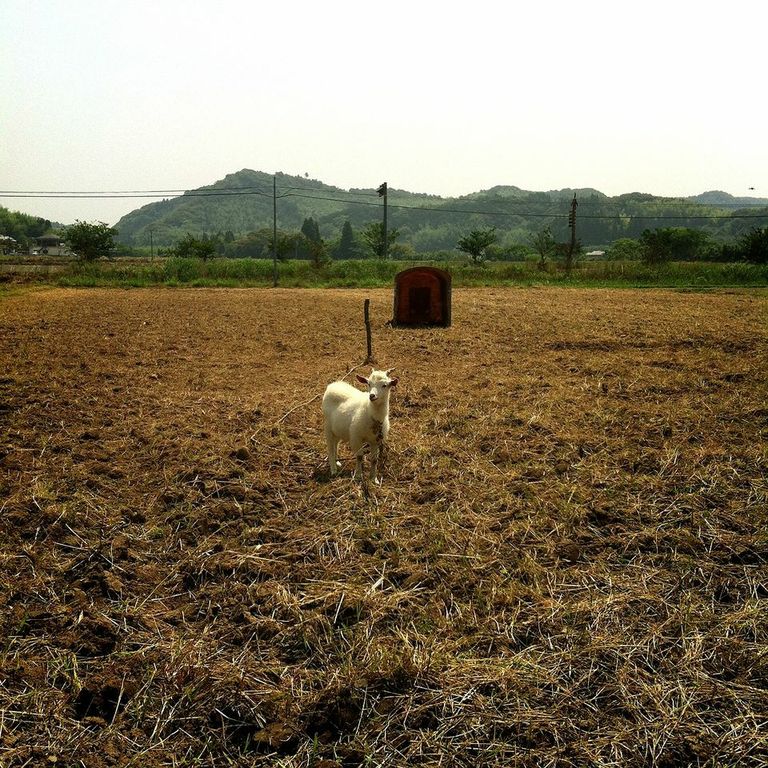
x=358, y=418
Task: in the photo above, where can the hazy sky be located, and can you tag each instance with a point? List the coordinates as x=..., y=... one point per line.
x=440, y=97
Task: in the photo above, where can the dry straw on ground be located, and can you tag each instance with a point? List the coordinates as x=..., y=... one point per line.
x=566, y=565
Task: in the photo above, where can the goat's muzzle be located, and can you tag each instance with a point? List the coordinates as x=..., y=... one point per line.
x=372, y=397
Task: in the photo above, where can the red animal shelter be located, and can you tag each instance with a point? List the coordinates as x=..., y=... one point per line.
x=422, y=297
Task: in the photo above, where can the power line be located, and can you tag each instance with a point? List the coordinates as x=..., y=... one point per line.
x=668, y=201
x=532, y=214
x=241, y=191
x=340, y=191
x=153, y=192
x=146, y=194
x=88, y=192
x=592, y=200
x=681, y=217
x=561, y=214
x=128, y=192
x=329, y=199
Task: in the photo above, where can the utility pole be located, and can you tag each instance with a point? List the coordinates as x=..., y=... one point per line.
x=274, y=231
x=382, y=190
x=151, y=246
x=572, y=226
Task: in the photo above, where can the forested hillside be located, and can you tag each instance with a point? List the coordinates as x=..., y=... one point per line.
x=243, y=202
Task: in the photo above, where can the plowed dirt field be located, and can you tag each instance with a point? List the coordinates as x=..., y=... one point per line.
x=566, y=564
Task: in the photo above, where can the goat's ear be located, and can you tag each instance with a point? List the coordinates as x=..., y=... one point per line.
x=361, y=379
x=393, y=383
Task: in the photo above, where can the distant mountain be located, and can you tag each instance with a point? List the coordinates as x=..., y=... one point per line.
x=239, y=203
x=502, y=191
x=716, y=197
x=242, y=202
x=567, y=194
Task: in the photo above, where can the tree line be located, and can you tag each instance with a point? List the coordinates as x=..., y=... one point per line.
x=307, y=243
x=22, y=228
x=90, y=241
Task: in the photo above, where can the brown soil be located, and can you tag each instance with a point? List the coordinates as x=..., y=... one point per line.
x=567, y=563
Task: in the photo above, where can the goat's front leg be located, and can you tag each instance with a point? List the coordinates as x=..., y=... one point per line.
x=359, y=467
x=375, y=449
x=359, y=451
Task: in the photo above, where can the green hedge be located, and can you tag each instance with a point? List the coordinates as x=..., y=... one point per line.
x=379, y=273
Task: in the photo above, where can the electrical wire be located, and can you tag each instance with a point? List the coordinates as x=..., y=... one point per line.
x=241, y=191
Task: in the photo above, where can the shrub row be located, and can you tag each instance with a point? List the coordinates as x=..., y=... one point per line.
x=380, y=273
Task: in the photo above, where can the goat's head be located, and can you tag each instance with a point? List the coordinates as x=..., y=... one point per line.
x=379, y=383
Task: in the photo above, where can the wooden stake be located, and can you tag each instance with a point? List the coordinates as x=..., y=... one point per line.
x=366, y=315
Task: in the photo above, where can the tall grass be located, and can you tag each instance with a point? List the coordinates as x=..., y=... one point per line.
x=380, y=273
